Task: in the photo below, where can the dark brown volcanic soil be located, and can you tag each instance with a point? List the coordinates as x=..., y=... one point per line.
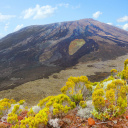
x=36, y=52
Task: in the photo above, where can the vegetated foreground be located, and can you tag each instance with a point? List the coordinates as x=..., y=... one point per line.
x=82, y=104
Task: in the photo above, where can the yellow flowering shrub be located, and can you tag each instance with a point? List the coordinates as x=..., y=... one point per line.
x=21, y=102
x=124, y=74
x=5, y=105
x=110, y=95
x=59, y=104
x=39, y=120
x=113, y=72
x=122, y=104
x=98, y=92
x=17, y=126
x=59, y=109
x=83, y=104
x=108, y=79
x=77, y=98
x=125, y=63
x=118, y=86
x=98, y=99
x=98, y=86
x=113, y=103
x=31, y=113
x=16, y=109
x=77, y=88
x=12, y=118
x=44, y=101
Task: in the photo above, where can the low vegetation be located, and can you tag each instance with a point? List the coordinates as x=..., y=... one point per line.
x=75, y=45
x=109, y=100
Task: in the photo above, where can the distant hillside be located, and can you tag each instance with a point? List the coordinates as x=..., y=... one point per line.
x=37, y=51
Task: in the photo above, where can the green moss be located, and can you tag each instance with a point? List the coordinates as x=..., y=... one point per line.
x=75, y=45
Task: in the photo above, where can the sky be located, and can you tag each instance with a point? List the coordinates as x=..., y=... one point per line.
x=16, y=14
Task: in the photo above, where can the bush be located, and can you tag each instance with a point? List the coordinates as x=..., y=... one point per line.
x=5, y=105
x=113, y=72
x=83, y=104
x=57, y=104
x=39, y=120
x=77, y=88
x=98, y=99
x=12, y=118
x=111, y=103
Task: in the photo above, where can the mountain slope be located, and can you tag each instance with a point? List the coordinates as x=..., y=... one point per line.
x=37, y=51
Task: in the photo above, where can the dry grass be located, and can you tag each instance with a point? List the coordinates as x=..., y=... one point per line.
x=34, y=91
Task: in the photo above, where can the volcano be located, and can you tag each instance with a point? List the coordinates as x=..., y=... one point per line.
x=37, y=51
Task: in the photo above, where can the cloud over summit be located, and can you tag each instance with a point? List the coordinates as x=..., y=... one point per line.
x=97, y=14
x=18, y=27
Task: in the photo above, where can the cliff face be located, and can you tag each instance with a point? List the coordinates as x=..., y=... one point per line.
x=36, y=51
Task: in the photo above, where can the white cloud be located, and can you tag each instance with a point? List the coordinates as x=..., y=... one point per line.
x=18, y=27
x=123, y=19
x=6, y=26
x=63, y=5
x=97, y=14
x=110, y=23
x=6, y=17
x=125, y=27
x=39, y=12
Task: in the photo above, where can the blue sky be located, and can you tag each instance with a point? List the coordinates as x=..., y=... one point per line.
x=16, y=14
